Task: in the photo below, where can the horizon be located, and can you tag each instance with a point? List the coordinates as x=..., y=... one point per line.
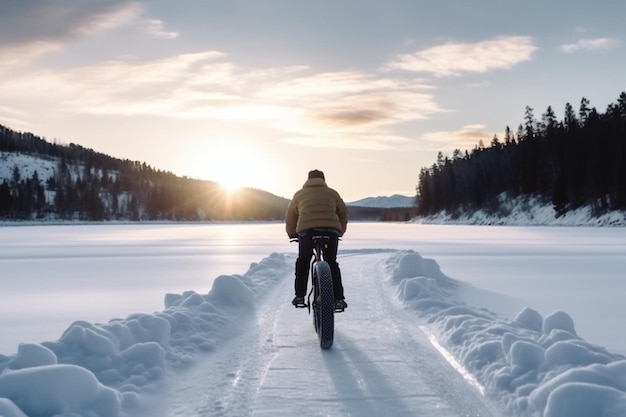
x=27, y=171
x=221, y=93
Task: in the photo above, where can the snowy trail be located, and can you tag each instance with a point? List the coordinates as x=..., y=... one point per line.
x=381, y=362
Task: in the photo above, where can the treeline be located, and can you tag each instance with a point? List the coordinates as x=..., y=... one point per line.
x=570, y=163
x=88, y=185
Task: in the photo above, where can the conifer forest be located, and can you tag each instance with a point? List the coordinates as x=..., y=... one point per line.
x=570, y=163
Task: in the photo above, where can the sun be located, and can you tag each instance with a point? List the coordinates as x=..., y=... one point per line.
x=233, y=166
x=232, y=183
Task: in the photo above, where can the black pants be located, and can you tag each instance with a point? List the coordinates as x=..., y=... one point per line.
x=305, y=253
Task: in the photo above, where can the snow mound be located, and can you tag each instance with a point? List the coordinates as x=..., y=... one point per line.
x=533, y=365
x=98, y=370
x=48, y=394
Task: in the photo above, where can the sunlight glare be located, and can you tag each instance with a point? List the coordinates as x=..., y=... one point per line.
x=232, y=164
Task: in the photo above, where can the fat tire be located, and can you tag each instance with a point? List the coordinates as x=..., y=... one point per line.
x=315, y=304
x=324, y=316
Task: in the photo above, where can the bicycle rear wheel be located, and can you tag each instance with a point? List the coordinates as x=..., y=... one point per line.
x=324, y=305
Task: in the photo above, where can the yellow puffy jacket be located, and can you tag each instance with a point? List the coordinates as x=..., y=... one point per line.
x=316, y=205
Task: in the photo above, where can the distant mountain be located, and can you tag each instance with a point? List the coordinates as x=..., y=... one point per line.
x=393, y=201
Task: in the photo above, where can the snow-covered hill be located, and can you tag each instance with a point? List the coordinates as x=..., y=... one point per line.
x=27, y=165
x=395, y=200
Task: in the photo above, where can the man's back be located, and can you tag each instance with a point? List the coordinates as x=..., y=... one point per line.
x=316, y=205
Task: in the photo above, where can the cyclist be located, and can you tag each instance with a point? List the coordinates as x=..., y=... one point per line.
x=316, y=209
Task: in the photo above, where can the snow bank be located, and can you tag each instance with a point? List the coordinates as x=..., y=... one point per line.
x=533, y=365
x=98, y=370
x=528, y=212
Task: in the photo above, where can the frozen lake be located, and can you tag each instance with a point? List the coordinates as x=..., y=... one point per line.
x=54, y=275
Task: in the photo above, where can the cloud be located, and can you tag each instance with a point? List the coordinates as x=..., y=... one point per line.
x=339, y=109
x=351, y=117
x=58, y=21
x=590, y=45
x=354, y=109
x=372, y=108
x=355, y=100
x=30, y=29
x=455, y=58
x=16, y=119
x=465, y=138
x=371, y=142
x=154, y=27
x=351, y=109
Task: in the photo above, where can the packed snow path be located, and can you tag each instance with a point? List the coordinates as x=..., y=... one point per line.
x=381, y=363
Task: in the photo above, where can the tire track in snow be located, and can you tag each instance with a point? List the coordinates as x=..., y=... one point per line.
x=402, y=331
x=381, y=362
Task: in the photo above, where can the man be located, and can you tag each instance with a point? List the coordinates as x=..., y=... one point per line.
x=316, y=209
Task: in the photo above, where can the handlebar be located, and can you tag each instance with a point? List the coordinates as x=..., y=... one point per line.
x=296, y=240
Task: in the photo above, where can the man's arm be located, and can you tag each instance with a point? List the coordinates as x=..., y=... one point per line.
x=342, y=213
x=291, y=219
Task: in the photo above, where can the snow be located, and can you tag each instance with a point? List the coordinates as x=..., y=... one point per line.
x=530, y=363
x=442, y=321
x=27, y=165
x=525, y=211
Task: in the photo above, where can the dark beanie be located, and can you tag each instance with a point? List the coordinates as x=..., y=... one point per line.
x=316, y=174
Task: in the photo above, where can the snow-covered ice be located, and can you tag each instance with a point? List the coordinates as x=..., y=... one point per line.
x=442, y=321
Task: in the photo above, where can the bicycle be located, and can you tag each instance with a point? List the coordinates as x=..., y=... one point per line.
x=322, y=292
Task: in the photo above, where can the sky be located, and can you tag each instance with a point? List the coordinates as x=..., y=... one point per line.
x=258, y=93
x=435, y=345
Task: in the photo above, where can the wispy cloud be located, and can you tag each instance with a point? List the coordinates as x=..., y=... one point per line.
x=14, y=118
x=340, y=109
x=466, y=137
x=355, y=99
x=155, y=28
x=57, y=21
x=371, y=142
x=457, y=58
x=590, y=45
x=31, y=29
x=350, y=109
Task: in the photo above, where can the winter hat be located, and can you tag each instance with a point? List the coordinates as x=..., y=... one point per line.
x=316, y=174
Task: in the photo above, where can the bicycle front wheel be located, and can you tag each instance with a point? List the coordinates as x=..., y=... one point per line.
x=324, y=315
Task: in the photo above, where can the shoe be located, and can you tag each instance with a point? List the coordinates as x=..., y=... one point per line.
x=298, y=301
x=340, y=304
